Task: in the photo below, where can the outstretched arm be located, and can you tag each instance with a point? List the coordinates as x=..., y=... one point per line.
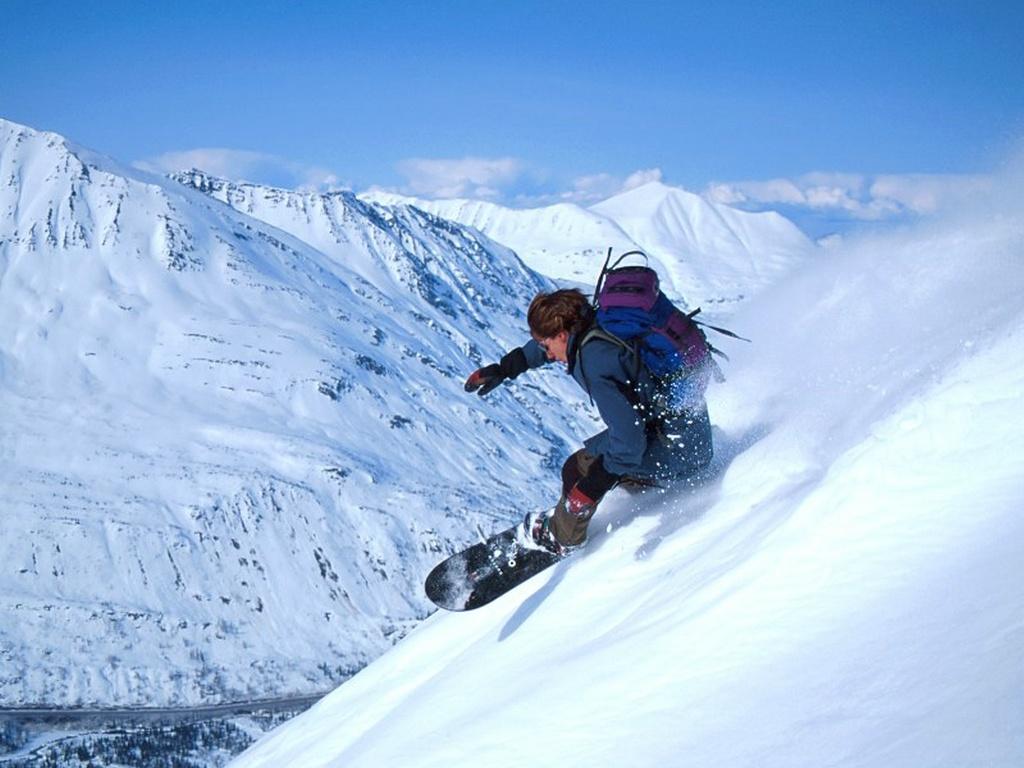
x=519, y=360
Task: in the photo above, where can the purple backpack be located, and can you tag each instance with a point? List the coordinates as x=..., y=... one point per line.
x=632, y=311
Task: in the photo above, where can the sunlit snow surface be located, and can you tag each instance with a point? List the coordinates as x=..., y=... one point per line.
x=846, y=590
x=227, y=456
x=233, y=433
x=707, y=254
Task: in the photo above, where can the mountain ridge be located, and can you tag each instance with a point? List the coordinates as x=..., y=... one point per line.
x=208, y=417
x=836, y=590
x=705, y=252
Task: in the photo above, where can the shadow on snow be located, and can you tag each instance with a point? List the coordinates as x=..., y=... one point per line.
x=695, y=496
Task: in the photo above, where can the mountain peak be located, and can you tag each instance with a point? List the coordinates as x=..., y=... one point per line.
x=248, y=393
x=647, y=198
x=833, y=591
x=706, y=253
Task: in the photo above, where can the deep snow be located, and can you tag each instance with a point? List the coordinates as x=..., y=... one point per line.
x=203, y=417
x=233, y=432
x=844, y=590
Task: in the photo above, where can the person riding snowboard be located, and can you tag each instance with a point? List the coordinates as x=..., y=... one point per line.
x=647, y=440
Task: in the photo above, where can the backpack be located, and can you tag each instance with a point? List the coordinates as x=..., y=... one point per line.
x=631, y=311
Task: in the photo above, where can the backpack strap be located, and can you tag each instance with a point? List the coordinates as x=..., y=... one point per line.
x=600, y=278
x=597, y=332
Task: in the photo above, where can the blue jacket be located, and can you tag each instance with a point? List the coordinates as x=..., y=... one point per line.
x=634, y=442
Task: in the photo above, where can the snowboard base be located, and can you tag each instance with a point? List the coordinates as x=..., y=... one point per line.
x=485, y=571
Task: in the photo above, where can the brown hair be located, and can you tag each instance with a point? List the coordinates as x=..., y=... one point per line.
x=551, y=313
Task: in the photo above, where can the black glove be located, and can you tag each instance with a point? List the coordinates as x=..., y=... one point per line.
x=483, y=380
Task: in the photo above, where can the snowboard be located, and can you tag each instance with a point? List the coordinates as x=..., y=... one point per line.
x=485, y=571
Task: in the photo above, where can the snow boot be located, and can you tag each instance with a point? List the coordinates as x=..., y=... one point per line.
x=536, y=533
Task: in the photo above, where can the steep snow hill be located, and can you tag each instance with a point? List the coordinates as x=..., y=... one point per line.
x=229, y=454
x=845, y=589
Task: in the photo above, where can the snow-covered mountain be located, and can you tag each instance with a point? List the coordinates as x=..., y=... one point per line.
x=707, y=253
x=846, y=590
x=711, y=252
x=563, y=241
x=230, y=453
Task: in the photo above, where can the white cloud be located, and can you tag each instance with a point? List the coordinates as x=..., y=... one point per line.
x=594, y=188
x=855, y=195
x=316, y=179
x=508, y=180
x=773, y=191
x=473, y=177
x=243, y=165
x=591, y=188
x=639, y=178
x=226, y=163
x=928, y=193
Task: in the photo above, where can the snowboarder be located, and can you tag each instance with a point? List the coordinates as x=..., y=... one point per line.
x=645, y=443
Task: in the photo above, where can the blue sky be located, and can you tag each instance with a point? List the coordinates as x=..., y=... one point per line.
x=528, y=102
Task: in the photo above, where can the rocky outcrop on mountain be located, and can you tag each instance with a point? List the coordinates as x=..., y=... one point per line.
x=232, y=445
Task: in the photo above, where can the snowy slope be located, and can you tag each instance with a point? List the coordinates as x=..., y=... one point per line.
x=228, y=456
x=335, y=224
x=845, y=590
x=707, y=254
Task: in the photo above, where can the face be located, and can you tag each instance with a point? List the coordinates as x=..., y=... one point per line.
x=556, y=347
